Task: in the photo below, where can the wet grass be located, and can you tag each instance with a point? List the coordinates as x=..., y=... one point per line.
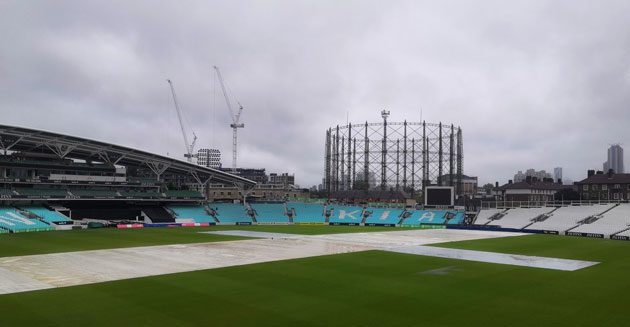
x=372, y=288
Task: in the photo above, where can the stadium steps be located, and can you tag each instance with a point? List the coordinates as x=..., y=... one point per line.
x=541, y=217
x=212, y=214
x=290, y=213
x=605, y=211
x=251, y=212
x=621, y=231
x=158, y=215
x=365, y=216
x=404, y=215
x=496, y=216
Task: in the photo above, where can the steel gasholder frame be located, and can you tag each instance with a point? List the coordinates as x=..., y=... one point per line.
x=404, y=156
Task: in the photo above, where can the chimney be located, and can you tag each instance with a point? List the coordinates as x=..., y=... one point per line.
x=590, y=173
x=496, y=184
x=510, y=181
x=610, y=173
x=560, y=181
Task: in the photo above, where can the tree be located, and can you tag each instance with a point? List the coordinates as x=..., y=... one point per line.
x=567, y=194
x=488, y=188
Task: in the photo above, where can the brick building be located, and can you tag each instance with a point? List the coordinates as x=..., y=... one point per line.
x=605, y=186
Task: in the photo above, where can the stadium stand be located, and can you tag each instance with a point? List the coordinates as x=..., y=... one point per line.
x=197, y=214
x=346, y=214
x=625, y=233
x=520, y=217
x=565, y=218
x=94, y=193
x=307, y=212
x=454, y=218
x=48, y=216
x=12, y=220
x=5, y=191
x=485, y=215
x=383, y=216
x=140, y=194
x=613, y=221
x=270, y=212
x=425, y=217
x=158, y=215
x=44, y=192
x=183, y=194
x=231, y=213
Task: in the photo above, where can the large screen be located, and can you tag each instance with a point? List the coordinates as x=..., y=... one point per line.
x=438, y=196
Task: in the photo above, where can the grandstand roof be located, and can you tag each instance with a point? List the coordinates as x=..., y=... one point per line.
x=65, y=146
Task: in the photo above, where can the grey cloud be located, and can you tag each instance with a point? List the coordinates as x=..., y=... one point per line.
x=532, y=83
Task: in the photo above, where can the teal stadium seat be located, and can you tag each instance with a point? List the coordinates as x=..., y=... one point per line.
x=458, y=219
x=195, y=214
x=270, y=212
x=383, y=216
x=12, y=220
x=307, y=212
x=425, y=217
x=231, y=213
x=345, y=214
x=49, y=216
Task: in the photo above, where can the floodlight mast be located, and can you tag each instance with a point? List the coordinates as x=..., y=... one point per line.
x=190, y=147
x=236, y=124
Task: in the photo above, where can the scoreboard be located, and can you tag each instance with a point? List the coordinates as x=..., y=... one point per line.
x=439, y=196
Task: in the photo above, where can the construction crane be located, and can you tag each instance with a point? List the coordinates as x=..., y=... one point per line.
x=236, y=124
x=190, y=147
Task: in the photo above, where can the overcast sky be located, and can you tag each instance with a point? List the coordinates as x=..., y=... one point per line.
x=533, y=84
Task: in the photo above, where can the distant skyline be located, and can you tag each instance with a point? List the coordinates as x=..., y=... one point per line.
x=614, y=159
x=538, y=84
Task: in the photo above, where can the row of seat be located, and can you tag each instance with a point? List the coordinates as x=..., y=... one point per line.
x=12, y=220
x=311, y=213
x=605, y=219
x=35, y=192
x=49, y=216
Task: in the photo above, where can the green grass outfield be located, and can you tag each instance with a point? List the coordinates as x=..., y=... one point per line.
x=372, y=288
x=108, y=238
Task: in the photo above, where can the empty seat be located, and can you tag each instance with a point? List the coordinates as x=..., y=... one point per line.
x=270, y=212
x=94, y=193
x=484, y=215
x=425, y=217
x=345, y=214
x=184, y=194
x=520, y=217
x=196, y=214
x=158, y=215
x=565, y=218
x=231, y=213
x=36, y=192
x=611, y=222
x=12, y=220
x=307, y=212
x=383, y=215
x=49, y=216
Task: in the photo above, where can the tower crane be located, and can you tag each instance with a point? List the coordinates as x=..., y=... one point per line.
x=190, y=147
x=236, y=124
